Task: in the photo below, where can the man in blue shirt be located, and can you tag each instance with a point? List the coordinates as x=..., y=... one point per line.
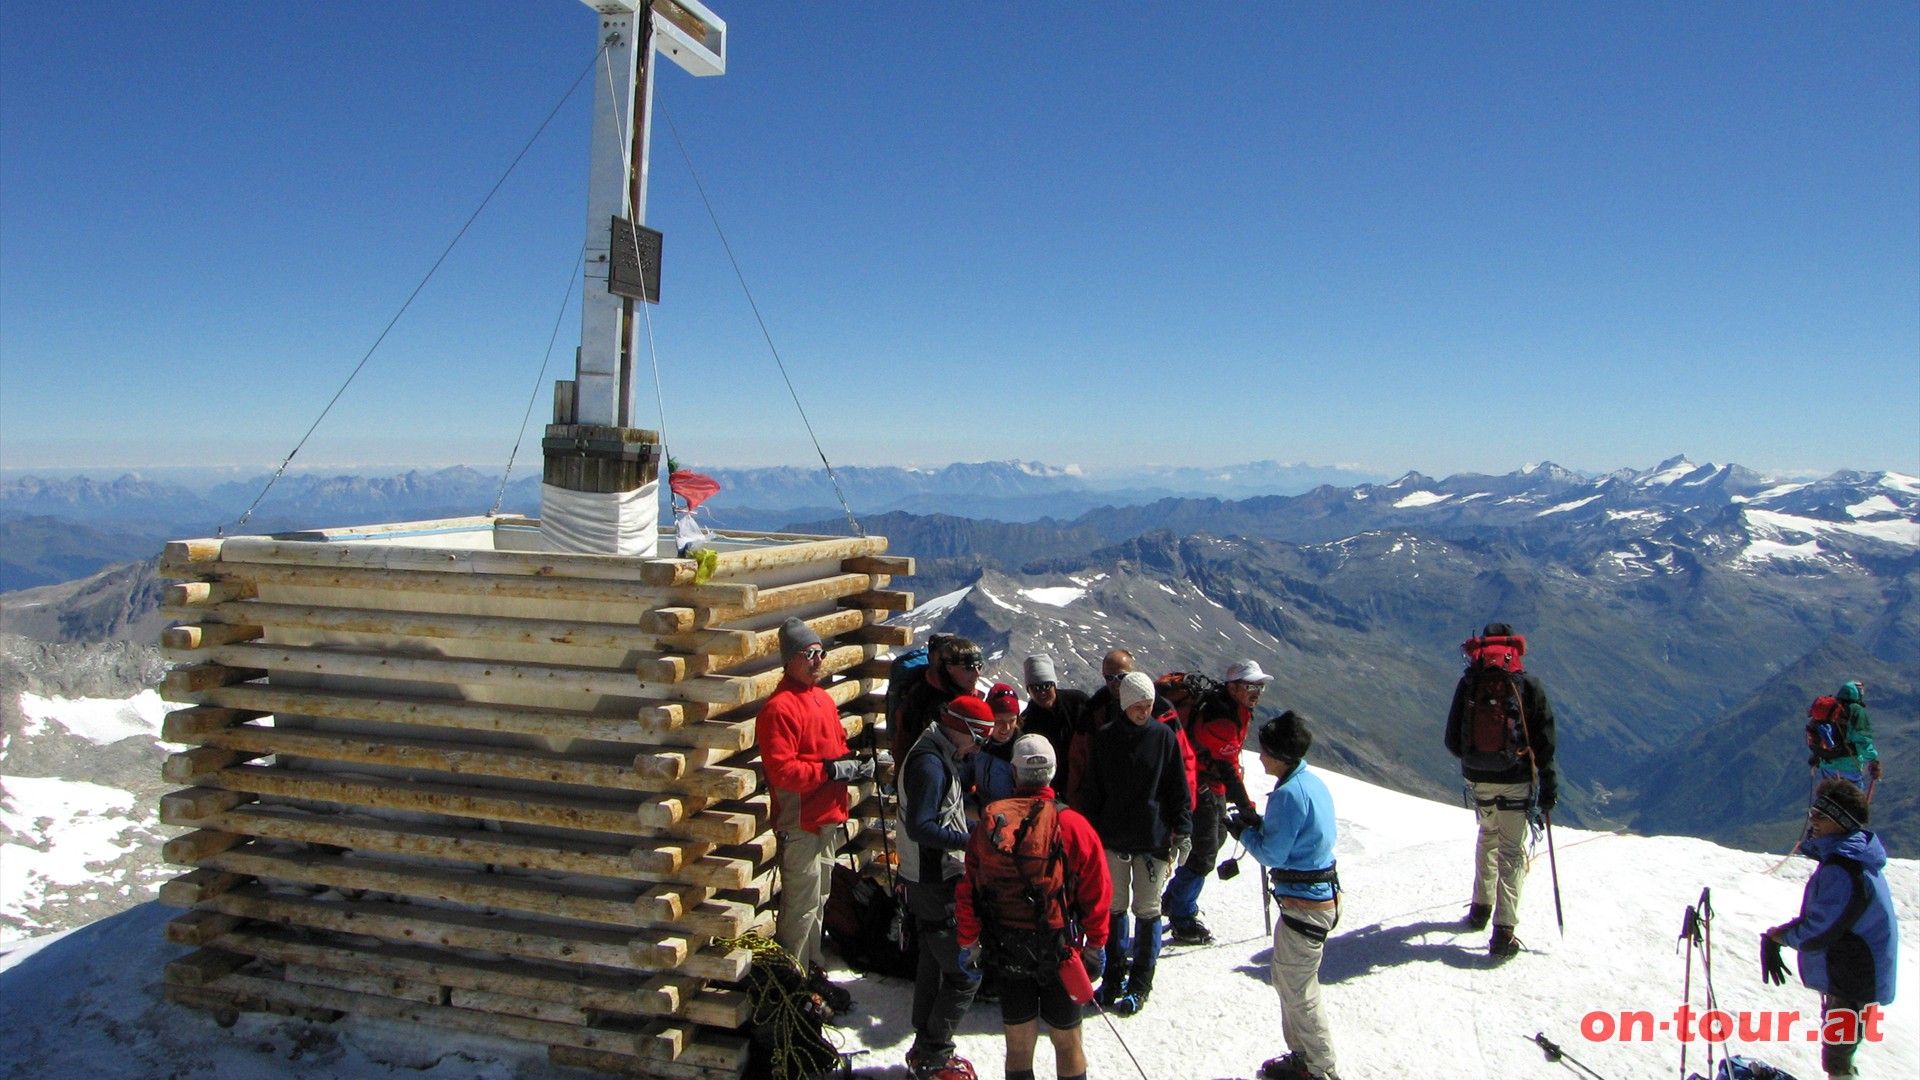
x=1295, y=839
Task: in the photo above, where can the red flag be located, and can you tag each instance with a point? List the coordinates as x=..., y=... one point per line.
x=694, y=487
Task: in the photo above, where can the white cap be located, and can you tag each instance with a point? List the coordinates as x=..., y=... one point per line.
x=1134, y=689
x=1032, y=761
x=1248, y=671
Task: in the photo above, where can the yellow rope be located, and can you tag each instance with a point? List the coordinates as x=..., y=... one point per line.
x=787, y=1013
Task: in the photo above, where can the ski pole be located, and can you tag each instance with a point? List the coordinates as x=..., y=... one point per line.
x=1690, y=932
x=1556, y=1054
x=1553, y=863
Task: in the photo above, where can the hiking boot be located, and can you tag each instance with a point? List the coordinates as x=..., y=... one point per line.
x=953, y=1068
x=1284, y=1067
x=1504, y=944
x=834, y=996
x=1131, y=1003
x=1477, y=916
x=1191, y=932
x=1112, y=989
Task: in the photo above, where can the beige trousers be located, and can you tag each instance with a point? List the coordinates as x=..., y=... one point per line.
x=806, y=875
x=1295, y=971
x=1500, y=861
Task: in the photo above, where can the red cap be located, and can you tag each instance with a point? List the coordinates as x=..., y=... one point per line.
x=972, y=713
x=1002, y=699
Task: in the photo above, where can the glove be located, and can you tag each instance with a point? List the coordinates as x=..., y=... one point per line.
x=849, y=769
x=1549, y=796
x=1773, y=969
x=1182, y=847
x=970, y=961
x=1873, y=769
x=1241, y=821
x=1093, y=960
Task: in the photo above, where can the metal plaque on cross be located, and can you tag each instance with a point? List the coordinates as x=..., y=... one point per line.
x=633, y=267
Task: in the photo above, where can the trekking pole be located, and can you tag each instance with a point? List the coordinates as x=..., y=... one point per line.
x=1555, y=1054
x=1123, y=1043
x=1706, y=953
x=1689, y=932
x=1553, y=864
x=1266, y=906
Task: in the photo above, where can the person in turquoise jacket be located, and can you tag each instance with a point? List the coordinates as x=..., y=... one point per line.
x=1846, y=934
x=1294, y=839
x=1862, y=770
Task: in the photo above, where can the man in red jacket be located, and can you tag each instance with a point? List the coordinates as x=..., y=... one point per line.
x=803, y=749
x=1024, y=941
x=1219, y=729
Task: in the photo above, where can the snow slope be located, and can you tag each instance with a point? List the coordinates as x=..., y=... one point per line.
x=1409, y=995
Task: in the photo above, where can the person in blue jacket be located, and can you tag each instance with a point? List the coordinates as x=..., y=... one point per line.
x=1846, y=933
x=1294, y=838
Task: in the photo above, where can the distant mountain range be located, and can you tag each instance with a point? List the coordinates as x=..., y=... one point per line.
x=1681, y=616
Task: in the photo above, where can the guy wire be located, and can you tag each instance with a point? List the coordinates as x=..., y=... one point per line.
x=448, y=250
x=764, y=332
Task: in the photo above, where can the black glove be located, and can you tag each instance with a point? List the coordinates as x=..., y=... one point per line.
x=848, y=770
x=1241, y=821
x=1549, y=795
x=1773, y=969
x=1093, y=960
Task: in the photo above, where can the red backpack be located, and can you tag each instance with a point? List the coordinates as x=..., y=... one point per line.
x=1494, y=735
x=1186, y=691
x=1828, y=736
x=1020, y=870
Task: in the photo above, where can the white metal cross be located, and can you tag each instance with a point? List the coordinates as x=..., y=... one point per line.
x=696, y=39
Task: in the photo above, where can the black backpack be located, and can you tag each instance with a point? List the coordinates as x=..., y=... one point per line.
x=904, y=675
x=1493, y=735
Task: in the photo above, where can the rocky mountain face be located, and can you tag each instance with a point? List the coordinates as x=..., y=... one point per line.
x=1681, y=619
x=79, y=799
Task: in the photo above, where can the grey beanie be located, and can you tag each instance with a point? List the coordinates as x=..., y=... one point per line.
x=1033, y=762
x=1040, y=669
x=1135, y=688
x=795, y=636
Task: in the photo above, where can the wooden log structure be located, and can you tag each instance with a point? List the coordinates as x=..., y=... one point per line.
x=435, y=777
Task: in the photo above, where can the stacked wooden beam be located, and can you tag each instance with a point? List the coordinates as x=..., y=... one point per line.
x=513, y=792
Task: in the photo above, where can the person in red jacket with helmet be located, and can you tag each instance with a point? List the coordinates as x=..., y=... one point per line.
x=803, y=750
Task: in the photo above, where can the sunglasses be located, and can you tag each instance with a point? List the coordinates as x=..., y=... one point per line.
x=814, y=652
x=1039, y=687
x=1116, y=676
x=971, y=663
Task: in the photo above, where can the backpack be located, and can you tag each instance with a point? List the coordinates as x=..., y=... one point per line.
x=1746, y=1068
x=1828, y=736
x=784, y=1035
x=905, y=674
x=1494, y=731
x=1187, y=691
x=868, y=924
x=1020, y=884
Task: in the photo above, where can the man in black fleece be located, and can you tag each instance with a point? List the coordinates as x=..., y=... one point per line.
x=1135, y=793
x=1511, y=775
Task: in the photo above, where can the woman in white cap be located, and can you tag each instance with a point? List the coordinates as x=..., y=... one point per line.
x=1135, y=793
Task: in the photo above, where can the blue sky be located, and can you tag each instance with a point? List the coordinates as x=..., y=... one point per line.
x=1439, y=237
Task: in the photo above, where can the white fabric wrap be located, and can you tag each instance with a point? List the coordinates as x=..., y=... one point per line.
x=595, y=523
